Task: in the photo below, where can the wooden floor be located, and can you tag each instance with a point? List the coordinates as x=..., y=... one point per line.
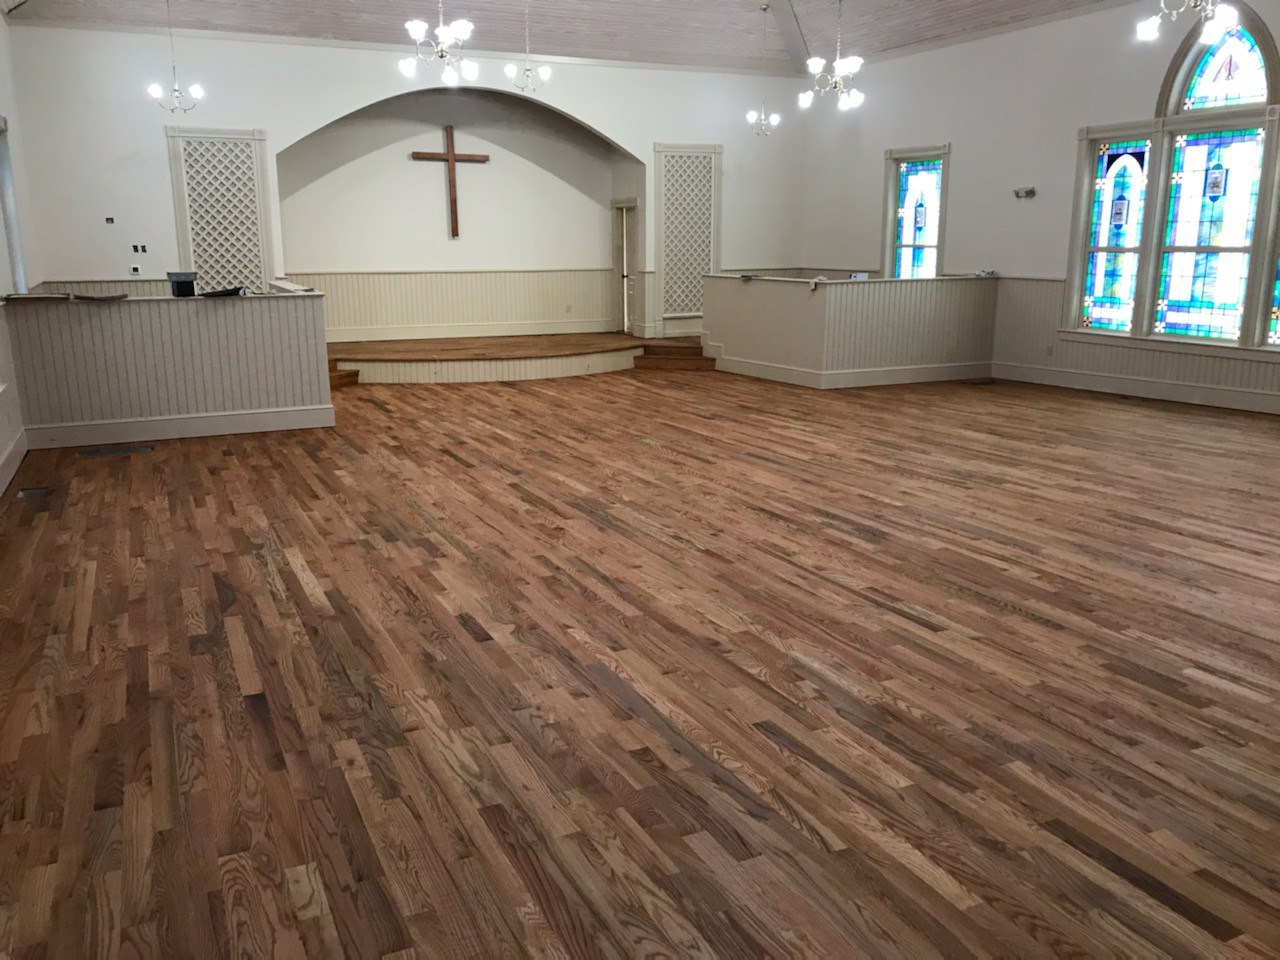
x=661, y=665
x=493, y=348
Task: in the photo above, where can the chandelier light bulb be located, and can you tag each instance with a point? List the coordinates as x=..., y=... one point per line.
x=417, y=30
x=848, y=66
x=775, y=119
x=462, y=29
x=196, y=91
x=752, y=116
x=1224, y=20
x=450, y=77
x=511, y=70
x=470, y=71
x=806, y=100
x=1149, y=30
x=409, y=67
x=816, y=65
x=544, y=73
x=155, y=91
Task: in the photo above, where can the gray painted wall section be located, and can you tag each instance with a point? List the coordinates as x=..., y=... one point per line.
x=157, y=369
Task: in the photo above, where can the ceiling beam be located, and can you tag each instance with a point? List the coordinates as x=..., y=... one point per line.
x=784, y=14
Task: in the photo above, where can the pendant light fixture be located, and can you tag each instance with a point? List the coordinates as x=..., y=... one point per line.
x=446, y=48
x=1219, y=18
x=762, y=122
x=527, y=79
x=839, y=80
x=175, y=100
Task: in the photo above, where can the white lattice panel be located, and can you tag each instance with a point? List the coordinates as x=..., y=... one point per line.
x=224, y=211
x=688, y=230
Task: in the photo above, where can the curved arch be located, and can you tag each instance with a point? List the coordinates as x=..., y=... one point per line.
x=1192, y=53
x=499, y=92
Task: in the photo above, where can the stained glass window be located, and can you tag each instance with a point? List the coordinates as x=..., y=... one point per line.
x=1115, y=235
x=1213, y=203
x=1273, y=329
x=1230, y=73
x=919, y=219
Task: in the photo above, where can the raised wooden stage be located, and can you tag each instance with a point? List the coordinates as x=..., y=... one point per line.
x=501, y=359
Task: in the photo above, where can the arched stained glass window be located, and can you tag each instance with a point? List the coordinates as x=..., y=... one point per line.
x=1230, y=73
x=1115, y=235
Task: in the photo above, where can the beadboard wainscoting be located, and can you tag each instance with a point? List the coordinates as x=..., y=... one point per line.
x=1030, y=345
x=492, y=371
x=850, y=334
x=409, y=306
x=157, y=369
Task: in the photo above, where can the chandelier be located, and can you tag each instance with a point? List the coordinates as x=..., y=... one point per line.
x=839, y=79
x=762, y=122
x=526, y=78
x=446, y=48
x=1219, y=18
x=175, y=99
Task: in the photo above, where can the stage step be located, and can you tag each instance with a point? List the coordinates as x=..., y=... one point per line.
x=342, y=378
x=673, y=350
x=675, y=363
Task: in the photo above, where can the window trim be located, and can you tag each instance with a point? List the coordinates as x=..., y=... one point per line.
x=893, y=160
x=1170, y=123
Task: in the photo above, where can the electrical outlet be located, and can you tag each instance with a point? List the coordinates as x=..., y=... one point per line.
x=111, y=220
x=135, y=270
x=136, y=248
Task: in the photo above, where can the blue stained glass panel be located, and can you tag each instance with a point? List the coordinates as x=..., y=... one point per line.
x=1115, y=234
x=1213, y=206
x=1273, y=331
x=1231, y=72
x=1110, y=283
x=919, y=219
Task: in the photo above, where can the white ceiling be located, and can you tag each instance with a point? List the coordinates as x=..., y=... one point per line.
x=709, y=33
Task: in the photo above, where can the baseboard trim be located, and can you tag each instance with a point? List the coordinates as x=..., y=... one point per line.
x=1176, y=391
x=89, y=433
x=682, y=327
x=492, y=371
x=11, y=460
x=846, y=379
x=447, y=331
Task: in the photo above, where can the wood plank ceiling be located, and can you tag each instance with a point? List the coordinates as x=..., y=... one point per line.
x=707, y=33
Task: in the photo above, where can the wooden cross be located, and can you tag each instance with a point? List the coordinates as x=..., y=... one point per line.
x=452, y=158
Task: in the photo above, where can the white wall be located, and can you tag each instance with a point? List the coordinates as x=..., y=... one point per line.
x=1011, y=106
x=12, y=435
x=353, y=201
x=102, y=151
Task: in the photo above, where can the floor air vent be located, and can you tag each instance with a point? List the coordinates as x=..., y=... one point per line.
x=115, y=451
x=982, y=382
x=32, y=492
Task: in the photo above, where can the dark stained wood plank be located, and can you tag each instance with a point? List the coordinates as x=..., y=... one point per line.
x=650, y=664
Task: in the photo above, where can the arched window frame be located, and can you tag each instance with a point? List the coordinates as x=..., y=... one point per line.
x=1170, y=122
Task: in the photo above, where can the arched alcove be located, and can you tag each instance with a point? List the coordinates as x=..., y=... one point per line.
x=352, y=199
